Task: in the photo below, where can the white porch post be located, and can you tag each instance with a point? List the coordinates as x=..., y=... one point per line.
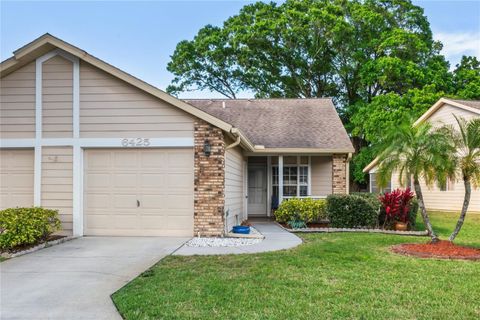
x=269, y=185
x=280, y=179
x=309, y=181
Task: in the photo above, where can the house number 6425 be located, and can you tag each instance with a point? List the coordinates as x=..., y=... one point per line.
x=135, y=142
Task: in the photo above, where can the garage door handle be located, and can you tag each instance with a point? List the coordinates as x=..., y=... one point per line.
x=138, y=203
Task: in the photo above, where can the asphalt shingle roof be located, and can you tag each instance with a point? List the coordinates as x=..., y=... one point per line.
x=282, y=123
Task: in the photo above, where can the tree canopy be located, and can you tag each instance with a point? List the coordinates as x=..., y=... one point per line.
x=376, y=58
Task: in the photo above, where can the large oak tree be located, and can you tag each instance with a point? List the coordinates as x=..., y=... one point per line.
x=376, y=58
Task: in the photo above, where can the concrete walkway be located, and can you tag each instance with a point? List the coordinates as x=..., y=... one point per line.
x=276, y=238
x=74, y=280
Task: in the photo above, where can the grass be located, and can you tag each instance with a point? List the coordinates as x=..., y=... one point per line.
x=330, y=276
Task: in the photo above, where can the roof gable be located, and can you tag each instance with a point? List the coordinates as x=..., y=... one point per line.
x=47, y=43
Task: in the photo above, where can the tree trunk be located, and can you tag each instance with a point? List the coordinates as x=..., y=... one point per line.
x=466, y=202
x=421, y=204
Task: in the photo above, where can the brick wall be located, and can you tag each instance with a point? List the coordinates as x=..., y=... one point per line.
x=209, y=198
x=339, y=172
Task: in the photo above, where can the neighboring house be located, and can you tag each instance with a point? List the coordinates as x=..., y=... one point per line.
x=450, y=196
x=117, y=156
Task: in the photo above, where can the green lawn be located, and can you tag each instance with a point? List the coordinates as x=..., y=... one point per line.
x=329, y=276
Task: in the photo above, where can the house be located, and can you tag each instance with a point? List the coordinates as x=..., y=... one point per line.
x=117, y=156
x=450, y=196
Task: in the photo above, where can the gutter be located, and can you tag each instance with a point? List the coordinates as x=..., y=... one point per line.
x=234, y=131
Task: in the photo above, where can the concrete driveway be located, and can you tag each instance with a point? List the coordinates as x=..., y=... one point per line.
x=74, y=280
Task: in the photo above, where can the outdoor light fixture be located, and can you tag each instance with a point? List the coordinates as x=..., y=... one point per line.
x=207, y=148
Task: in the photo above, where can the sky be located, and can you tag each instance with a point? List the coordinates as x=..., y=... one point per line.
x=139, y=36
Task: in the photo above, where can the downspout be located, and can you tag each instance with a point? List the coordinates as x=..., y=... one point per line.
x=234, y=131
x=349, y=157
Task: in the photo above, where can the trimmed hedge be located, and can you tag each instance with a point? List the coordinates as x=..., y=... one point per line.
x=306, y=210
x=25, y=226
x=351, y=211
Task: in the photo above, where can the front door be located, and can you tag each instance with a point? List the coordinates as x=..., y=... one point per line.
x=257, y=190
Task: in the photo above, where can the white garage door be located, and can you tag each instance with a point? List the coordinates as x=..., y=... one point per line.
x=138, y=192
x=16, y=178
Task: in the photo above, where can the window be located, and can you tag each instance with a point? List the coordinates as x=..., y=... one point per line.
x=374, y=186
x=373, y=183
x=295, y=177
x=447, y=186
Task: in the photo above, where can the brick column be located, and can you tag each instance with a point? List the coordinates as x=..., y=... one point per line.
x=339, y=173
x=209, y=198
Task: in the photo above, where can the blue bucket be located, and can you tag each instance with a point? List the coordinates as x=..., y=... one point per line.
x=241, y=229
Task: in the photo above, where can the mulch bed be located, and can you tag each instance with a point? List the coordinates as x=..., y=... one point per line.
x=440, y=250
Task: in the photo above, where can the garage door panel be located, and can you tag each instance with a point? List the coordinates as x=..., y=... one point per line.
x=155, y=159
x=181, y=181
x=160, y=179
x=153, y=180
x=98, y=160
x=125, y=160
x=125, y=180
x=97, y=201
x=180, y=160
x=16, y=178
x=97, y=180
x=98, y=221
x=178, y=222
x=125, y=201
x=126, y=221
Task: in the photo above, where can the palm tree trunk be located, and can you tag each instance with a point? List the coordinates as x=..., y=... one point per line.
x=421, y=204
x=466, y=202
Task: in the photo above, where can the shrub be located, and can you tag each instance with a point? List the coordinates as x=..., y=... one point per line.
x=351, y=211
x=24, y=226
x=306, y=210
x=372, y=198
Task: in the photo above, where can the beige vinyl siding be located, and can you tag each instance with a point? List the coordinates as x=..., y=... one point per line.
x=445, y=115
x=17, y=104
x=234, y=186
x=57, y=179
x=111, y=108
x=321, y=176
x=452, y=199
x=16, y=178
x=57, y=98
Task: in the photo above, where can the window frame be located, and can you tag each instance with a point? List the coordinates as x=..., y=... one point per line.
x=305, y=167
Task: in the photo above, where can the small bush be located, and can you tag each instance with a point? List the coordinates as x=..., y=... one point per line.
x=351, y=211
x=372, y=198
x=306, y=210
x=24, y=226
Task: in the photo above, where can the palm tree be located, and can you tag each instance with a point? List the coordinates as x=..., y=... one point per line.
x=420, y=152
x=467, y=141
